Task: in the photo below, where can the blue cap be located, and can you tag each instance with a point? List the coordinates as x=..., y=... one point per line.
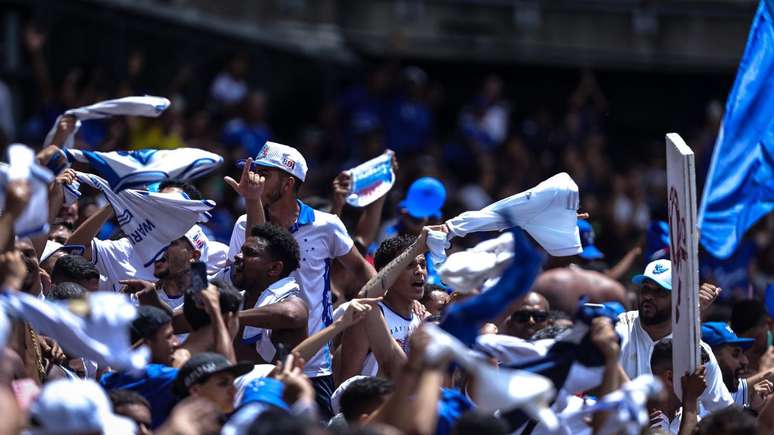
x=590, y=251
x=265, y=390
x=425, y=197
x=719, y=333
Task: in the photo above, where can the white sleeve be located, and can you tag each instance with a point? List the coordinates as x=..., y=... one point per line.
x=237, y=237
x=475, y=221
x=716, y=395
x=115, y=261
x=341, y=243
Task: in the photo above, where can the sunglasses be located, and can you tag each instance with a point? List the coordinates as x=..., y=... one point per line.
x=523, y=316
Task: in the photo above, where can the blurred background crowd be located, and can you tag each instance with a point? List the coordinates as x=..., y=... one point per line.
x=487, y=129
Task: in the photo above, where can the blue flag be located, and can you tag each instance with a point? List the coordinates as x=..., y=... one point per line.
x=740, y=184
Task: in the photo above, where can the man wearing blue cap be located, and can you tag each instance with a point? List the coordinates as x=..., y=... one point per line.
x=729, y=352
x=270, y=185
x=652, y=321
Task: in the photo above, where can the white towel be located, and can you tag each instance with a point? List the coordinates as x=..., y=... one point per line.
x=478, y=267
x=548, y=212
x=151, y=220
x=137, y=169
x=147, y=105
x=100, y=334
x=22, y=166
x=371, y=180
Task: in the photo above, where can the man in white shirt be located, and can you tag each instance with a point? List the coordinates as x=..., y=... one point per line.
x=116, y=260
x=730, y=353
x=274, y=311
x=641, y=329
x=270, y=186
x=396, y=308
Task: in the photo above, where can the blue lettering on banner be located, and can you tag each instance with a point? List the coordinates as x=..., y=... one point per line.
x=141, y=232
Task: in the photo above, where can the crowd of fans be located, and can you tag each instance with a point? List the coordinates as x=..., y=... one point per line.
x=291, y=312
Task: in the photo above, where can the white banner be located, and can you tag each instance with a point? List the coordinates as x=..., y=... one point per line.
x=371, y=180
x=684, y=251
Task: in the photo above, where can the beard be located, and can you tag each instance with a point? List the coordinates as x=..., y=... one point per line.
x=730, y=379
x=659, y=316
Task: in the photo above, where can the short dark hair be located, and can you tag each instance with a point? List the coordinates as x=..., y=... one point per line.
x=661, y=358
x=119, y=397
x=363, y=396
x=279, y=422
x=188, y=188
x=429, y=289
x=473, y=422
x=230, y=302
x=732, y=420
x=746, y=315
x=148, y=322
x=559, y=315
x=390, y=249
x=65, y=291
x=73, y=268
x=282, y=245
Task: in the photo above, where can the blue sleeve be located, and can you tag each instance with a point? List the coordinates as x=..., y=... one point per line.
x=464, y=320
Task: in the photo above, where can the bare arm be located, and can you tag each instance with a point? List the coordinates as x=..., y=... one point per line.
x=250, y=187
x=356, y=311
x=354, y=349
x=617, y=271
x=34, y=41
x=360, y=269
x=288, y=314
x=386, y=349
x=17, y=196
x=604, y=337
x=368, y=224
x=221, y=335
x=386, y=277
x=693, y=385
x=89, y=229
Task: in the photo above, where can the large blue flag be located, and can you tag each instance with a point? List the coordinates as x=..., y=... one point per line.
x=740, y=184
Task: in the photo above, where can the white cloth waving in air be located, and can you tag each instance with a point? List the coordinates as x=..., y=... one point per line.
x=151, y=220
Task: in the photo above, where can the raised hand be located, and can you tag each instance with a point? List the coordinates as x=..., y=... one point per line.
x=33, y=39
x=357, y=310
x=707, y=295
x=341, y=186
x=12, y=269
x=693, y=385
x=250, y=185
x=17, y=196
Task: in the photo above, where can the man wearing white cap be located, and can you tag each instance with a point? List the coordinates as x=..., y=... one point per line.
x=270, y=186
x=640, y=330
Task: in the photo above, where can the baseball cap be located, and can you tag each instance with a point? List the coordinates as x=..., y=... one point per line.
x=148, y=321
x=719, y=333
x=282, y=157
x=203, y=365
x=425, y=197
x=69, y=406
x=265, y=390
x=199, y=241
x=590, y=251
x=659, y=271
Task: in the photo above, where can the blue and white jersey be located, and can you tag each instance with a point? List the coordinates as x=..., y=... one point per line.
x=277, y=292
x=321, y=238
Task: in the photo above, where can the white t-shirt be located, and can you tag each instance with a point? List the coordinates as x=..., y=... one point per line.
x=277, y=292
x=741, y=394
x=636, y=350
x=321, y=237
x=115, y=261
x=400, y=329
x=172, y=302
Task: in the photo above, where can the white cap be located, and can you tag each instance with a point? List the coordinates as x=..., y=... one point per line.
x=282, y=157
x=199, y=241
x=49, y=250
x=659, y=271
x=76, y=406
